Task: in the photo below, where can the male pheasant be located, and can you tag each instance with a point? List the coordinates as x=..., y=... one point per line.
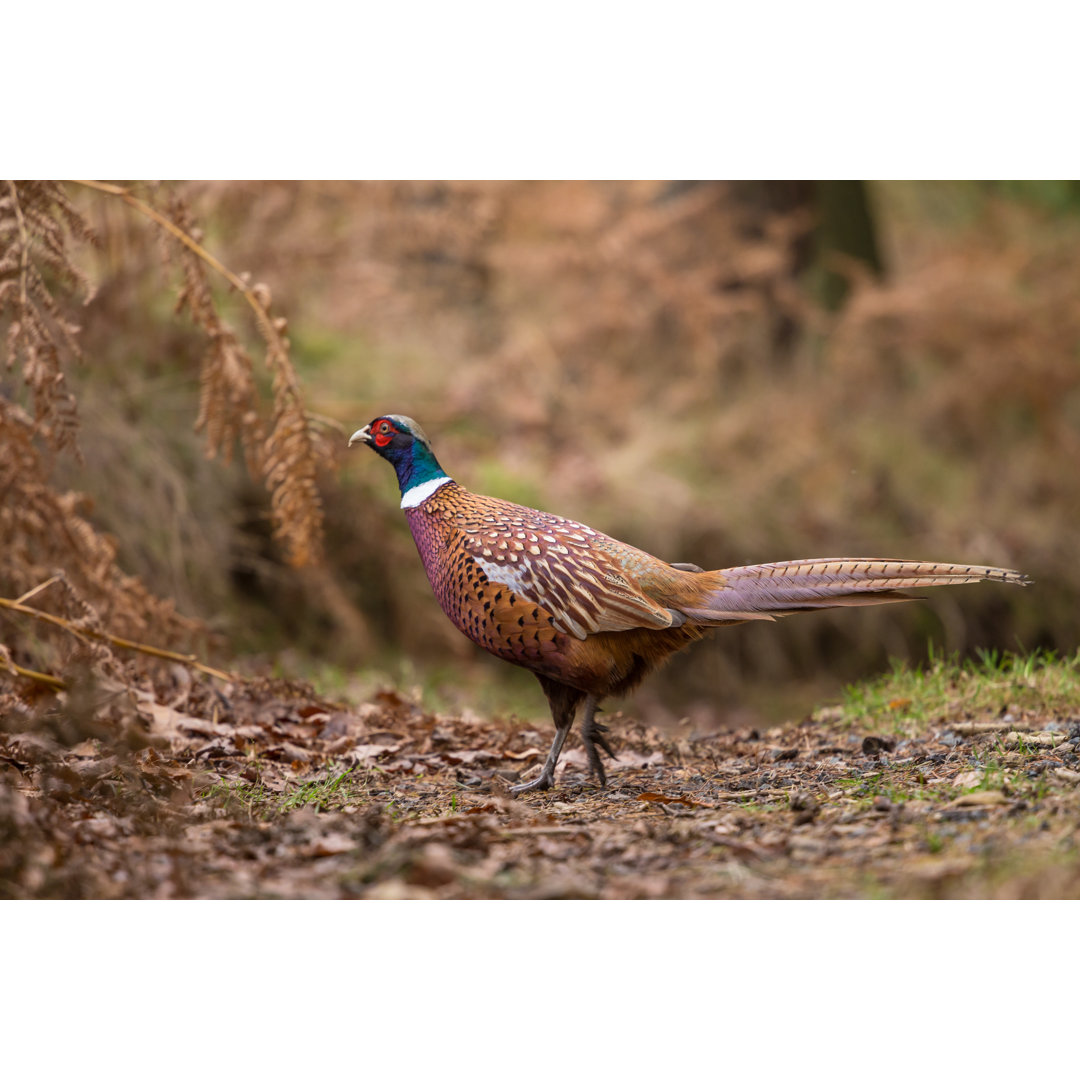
x=591, y=616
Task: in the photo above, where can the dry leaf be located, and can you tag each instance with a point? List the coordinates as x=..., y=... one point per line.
x=524, y=755
x=334, y=844
x=370, y=751
x=1042, y=739
x=968, y=779
x=979, y=798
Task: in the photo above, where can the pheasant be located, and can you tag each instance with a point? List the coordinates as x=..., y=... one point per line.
x=588, y=615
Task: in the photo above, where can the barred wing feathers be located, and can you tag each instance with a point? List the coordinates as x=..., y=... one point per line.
x=587, y=581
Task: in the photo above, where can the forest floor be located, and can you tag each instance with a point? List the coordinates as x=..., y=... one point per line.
x=959, y=782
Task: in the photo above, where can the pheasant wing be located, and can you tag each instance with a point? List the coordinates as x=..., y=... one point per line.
x=577, y=575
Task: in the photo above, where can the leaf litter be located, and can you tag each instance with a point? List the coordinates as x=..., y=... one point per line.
x=267, y=790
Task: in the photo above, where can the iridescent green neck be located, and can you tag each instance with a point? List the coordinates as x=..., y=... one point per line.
x=416, y=468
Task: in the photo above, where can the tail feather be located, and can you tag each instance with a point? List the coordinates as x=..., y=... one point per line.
x=776, y=589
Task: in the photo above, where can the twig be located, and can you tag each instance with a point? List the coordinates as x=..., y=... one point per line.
x=112, y=639
x=38, y=676
x=752, y=793
x=976, y=728
x=37, y=588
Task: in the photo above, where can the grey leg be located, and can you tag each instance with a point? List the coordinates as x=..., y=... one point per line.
x=592, y=734
x=564, y=701
x=546, y=779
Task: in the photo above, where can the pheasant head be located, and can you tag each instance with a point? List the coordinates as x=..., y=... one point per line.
x=401, y=440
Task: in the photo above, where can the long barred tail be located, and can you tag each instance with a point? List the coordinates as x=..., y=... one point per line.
x=772, y=589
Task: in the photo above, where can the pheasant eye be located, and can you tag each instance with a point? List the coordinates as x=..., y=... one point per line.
x=384, y=432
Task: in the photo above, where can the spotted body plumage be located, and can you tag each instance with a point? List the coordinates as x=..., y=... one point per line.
x=539, y=590
x=591, y=616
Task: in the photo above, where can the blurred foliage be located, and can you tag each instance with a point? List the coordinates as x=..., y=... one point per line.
x=659, y=360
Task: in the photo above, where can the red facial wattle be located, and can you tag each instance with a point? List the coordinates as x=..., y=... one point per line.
x=384, y=432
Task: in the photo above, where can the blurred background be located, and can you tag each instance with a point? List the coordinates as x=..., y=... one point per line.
x=722, y=373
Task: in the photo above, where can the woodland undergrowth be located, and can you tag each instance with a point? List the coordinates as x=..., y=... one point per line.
x=68, y=605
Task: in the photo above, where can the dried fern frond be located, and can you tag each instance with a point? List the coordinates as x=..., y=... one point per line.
x=42, y=529
x=228, y=396
x=286, y=453
x=35, y=217
x=290, y=464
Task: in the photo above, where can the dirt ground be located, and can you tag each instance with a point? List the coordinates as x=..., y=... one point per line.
x=263, y=790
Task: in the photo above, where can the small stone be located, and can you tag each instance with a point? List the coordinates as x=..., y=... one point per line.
x=806, y=807
x=873, y=745
x=801, y=800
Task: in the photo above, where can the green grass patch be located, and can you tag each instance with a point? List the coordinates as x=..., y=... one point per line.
x=255, y=798
x=908, y=698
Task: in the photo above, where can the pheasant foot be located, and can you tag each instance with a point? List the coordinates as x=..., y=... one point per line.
x=544, y=781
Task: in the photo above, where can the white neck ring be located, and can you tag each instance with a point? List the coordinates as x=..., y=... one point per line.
x=419, y=492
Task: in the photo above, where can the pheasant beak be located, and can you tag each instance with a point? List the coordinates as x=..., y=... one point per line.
x=361, y=436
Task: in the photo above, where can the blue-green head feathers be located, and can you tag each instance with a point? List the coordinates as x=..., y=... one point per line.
x=401, y=440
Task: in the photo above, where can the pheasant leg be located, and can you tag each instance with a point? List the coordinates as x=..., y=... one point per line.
x=592, y=734
x=547, y=775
